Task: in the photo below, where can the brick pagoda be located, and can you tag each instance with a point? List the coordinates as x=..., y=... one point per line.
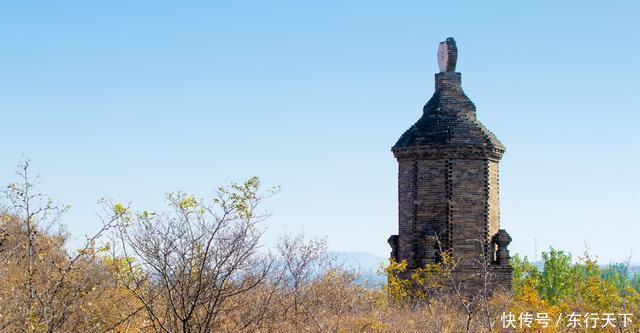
x=448, y=198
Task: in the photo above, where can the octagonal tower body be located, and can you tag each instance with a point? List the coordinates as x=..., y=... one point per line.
x=448, y=193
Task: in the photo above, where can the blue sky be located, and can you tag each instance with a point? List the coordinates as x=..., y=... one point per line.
x=129, y=100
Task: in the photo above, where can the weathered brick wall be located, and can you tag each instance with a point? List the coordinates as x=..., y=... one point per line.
x=406, y=209
x=431, y=205
x=468, y=210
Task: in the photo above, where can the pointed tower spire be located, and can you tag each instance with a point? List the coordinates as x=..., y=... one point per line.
x=447, y=55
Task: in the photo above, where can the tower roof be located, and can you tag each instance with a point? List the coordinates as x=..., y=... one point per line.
x=449, y=117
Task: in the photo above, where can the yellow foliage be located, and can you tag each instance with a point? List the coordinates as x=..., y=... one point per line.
x=398, y=288
x=120, y=209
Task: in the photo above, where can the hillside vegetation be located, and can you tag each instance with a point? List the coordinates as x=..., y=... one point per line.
x=199, y=267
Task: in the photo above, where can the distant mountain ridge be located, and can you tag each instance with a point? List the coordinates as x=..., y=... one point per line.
x=363, y=263
x=361, y=260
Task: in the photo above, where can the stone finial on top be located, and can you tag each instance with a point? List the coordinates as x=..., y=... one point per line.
x=447, y=55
